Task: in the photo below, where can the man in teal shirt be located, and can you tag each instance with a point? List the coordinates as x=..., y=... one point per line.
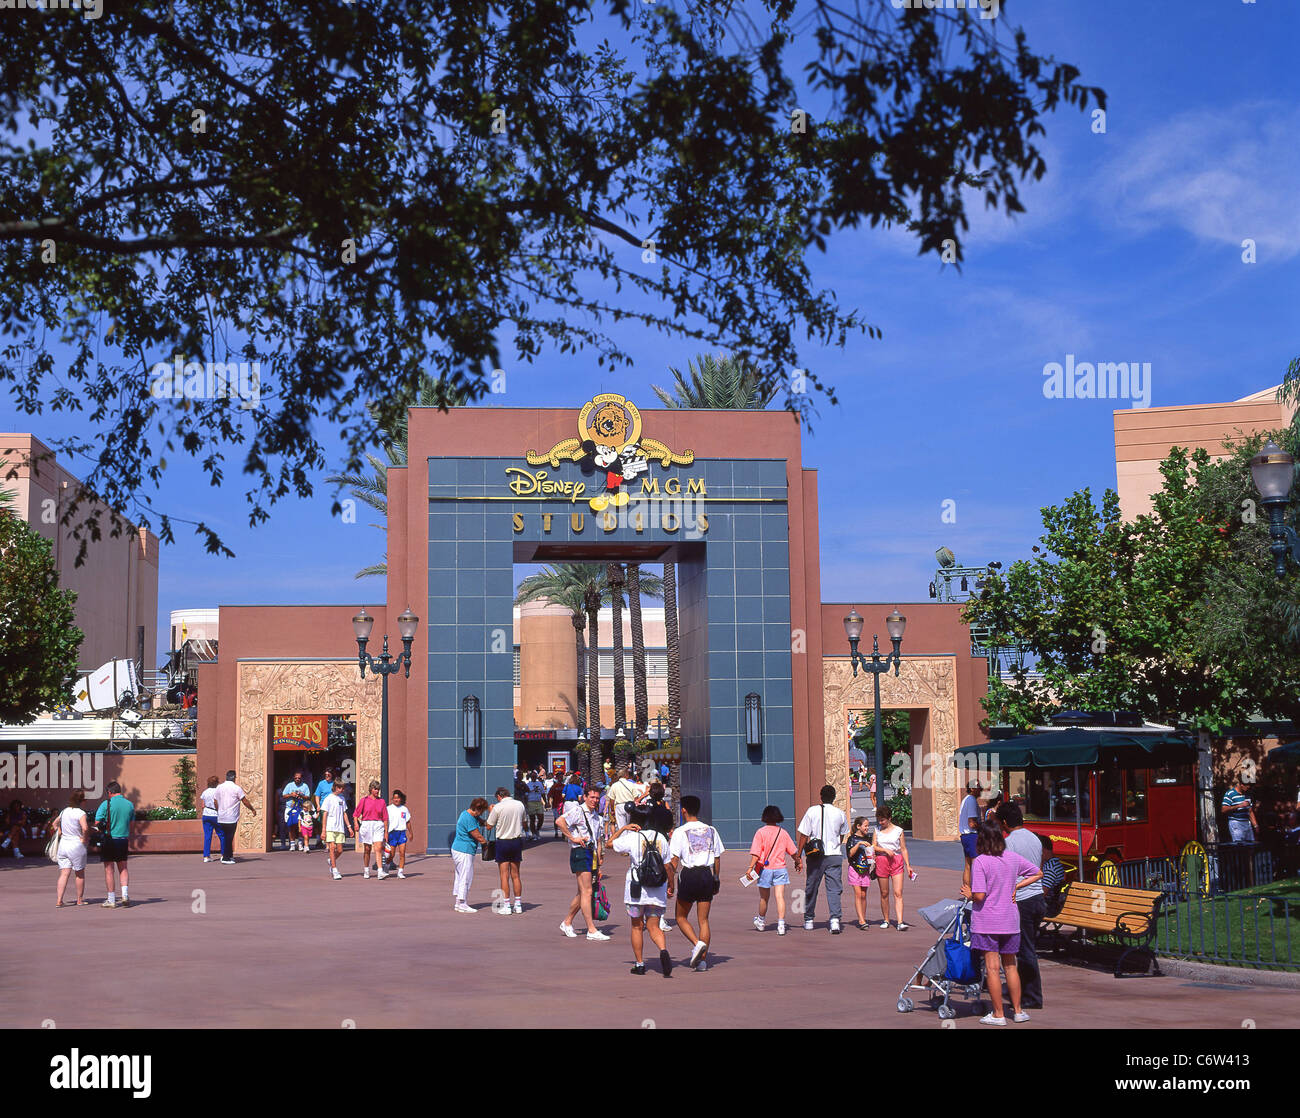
x=114, y=818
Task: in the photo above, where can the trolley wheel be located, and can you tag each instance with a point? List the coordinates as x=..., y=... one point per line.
x=972, y=991
x=1108, y=873
x=905, y=1005
x=947, y=1013
x=1194, y=870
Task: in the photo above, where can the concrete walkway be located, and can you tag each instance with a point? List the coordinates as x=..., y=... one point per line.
x=273, y=941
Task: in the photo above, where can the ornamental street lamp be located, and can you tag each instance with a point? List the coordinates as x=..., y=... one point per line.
x=386, y=665
x=1274, y=472
x=895, y=623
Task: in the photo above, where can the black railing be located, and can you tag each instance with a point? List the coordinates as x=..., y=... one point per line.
x=1202, y=871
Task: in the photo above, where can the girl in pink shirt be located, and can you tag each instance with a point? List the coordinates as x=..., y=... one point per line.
x=995, y=875
x=767, y=854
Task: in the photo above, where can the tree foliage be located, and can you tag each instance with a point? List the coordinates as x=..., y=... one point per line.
x=354, y=196
x=1176, y=614
x=39, y=641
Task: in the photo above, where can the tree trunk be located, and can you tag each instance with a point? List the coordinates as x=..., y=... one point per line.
x=674, y=647
x=674, y=672
x=614, y=577
x=580, y=719
x=640, y=690
x=594, y=768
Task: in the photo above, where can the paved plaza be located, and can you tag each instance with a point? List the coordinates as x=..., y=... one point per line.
x=273, y=941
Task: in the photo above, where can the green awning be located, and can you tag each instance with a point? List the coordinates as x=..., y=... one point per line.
x=1075, y=746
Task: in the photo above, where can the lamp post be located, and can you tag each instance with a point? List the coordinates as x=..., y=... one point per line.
x=1274, y=472
x=895, y=623
x=386, y=665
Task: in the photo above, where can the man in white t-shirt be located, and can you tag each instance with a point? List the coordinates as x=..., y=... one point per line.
x=623, y=793
x=968, y=825
x=826, y=827
x=229, y=798
x=696, y=849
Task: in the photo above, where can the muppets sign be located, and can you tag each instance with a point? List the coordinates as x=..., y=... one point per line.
x=612, y=451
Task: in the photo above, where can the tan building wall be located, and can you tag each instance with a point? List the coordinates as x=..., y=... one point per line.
x=116, y=586
x=1144, y=436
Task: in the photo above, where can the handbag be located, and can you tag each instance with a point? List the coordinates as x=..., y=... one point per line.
x=52, y=844
x=490, y=847
x=599, y=900
x=816, y=847
x=959, y=965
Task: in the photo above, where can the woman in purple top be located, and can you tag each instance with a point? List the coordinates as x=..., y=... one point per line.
x=996, y=874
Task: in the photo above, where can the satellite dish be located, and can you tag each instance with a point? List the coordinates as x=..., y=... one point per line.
x=946, y=557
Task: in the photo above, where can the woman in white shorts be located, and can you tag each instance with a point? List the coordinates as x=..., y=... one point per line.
x=645, y=903
x=71, y=825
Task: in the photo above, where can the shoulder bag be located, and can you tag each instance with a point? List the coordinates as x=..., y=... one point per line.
x=816, y=847
x=52, y=843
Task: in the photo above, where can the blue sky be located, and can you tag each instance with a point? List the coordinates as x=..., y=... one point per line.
x=1131, y=250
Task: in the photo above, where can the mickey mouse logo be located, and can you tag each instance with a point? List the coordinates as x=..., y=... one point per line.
x=609, y=441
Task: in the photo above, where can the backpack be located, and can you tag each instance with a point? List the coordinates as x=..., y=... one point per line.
x=651, y=872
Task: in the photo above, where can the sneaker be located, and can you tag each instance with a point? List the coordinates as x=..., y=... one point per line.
x=903, y=925
x=699, y=949
x=334, y=870
x=639, y=968
x=663, y=924
x=519, y=907
x=567, y=929
x=702, y=965
x=109, y=904
x=401, y=876
x=17, y=853
x=989, y=1019
x=123, y=903
x=759, y=924
x=1021, y=1017
x=883, y=925
x=206, y=861
x=835, y=926
x=382, y=874
x=597, y=935
x=807, y=925
x=366, y=875
x=666, y=961
x=227, y=861
x=780, y=927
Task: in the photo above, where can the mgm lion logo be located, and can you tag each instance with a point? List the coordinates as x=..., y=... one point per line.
x=609, y=439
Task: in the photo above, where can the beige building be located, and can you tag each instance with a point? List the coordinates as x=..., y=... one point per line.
x=1144, y=436
x=546, y=665
x=116, y=585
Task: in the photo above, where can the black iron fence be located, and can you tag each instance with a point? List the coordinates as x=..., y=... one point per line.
x=1207, y=917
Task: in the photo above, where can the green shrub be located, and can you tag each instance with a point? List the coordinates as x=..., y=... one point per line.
x=167, y=813
x=900, y=808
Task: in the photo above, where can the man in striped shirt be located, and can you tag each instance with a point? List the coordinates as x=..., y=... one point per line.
x=1242, y=825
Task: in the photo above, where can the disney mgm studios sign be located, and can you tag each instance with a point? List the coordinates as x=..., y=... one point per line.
x=614, y=458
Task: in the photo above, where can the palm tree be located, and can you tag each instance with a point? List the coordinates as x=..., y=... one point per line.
x=561, y=585
x=717, y=383
x=714, y=383
x=372, y=488
x=640, y=692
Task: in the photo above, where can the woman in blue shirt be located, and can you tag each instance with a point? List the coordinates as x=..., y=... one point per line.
x=469, y=836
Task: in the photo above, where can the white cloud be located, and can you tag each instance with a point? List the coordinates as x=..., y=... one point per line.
x=1223, y=175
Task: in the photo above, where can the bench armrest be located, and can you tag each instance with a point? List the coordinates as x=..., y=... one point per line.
x=1148, y=919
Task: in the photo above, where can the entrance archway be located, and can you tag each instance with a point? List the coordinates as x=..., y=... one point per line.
x=924, y=683
x=288, y=686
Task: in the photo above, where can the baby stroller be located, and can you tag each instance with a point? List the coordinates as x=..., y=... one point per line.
x=951, y=919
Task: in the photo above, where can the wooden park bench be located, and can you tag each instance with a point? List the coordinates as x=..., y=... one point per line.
x=1125, y=915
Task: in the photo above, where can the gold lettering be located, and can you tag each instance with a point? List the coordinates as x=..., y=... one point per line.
x=696, y=485
x=638, y=521
x=650, y=485
x=546, y=522
x=518, y=520
x=576, y=520
x=702, y=522
x=610, y=521
x=522, y=483
x=676, y=521
x=673, y=486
